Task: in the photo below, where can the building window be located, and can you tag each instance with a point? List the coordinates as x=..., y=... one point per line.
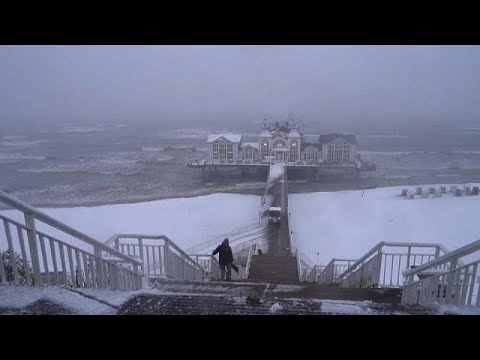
x=264, y=148
x=311, y=155
x=222, y=150
x=346, y=153
x=330, y=153
x=293, y=150
x=229, y=151
x=279, y=143
x=215, y=151
x=338, y=152
x=248, y=153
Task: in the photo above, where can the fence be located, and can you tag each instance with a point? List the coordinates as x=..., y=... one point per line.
x=444, y=280
x=384, y=263
x=160, y=256
x=76, y=260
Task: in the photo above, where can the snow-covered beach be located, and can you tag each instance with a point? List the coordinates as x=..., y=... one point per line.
x=334, y=224
x=346, y=224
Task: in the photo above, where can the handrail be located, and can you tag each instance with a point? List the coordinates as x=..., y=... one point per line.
x=384, y=243
x=56, y=262
x=41, y=216
x=247, y=230
x=460, y=252
x=331, y=267
x=249, y=259
x=454, y=286
x=153, y=237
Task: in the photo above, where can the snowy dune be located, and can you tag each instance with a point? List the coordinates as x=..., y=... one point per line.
x=345, y=224
x=186, y=221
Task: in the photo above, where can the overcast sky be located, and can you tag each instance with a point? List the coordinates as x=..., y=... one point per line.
x=345, y=85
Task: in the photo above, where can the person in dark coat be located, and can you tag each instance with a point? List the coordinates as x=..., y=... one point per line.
x=225, y=259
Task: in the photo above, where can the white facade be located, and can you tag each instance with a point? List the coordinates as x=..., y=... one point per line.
x=224, y=147
x=282, y=143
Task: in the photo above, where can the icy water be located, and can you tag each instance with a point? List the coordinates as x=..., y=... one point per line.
x=68, y=165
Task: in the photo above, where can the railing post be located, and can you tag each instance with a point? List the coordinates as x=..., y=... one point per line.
x=98, y=267
x=184, y=267
x=408, y=256
x=115, y=277
x=378, y=267
x=167, y=258
x=137, y=277
x=140, y=249
x=32, y=242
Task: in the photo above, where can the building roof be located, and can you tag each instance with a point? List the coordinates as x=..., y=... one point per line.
x=306, y=145
x=265, y=133
x=294, y=133
x=325, y=139
x=254, y=145
x=235, y=138
x=281, y=128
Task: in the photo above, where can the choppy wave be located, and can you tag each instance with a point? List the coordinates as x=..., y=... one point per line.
x=391, y=153
x=18, y=142
x=187, y=133
x=79, y=129
x=158, y=158
x=152, y=148
x=13, y=137
x=78, y=171
x=382, y=136
x=466, y=152
x=12, y=157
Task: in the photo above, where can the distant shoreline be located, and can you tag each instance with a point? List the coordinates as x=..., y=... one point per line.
x=294, y=187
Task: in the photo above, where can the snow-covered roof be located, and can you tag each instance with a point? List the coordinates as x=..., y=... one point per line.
x=275, y=208
x=235, y=138
x=294, y=133
x=305, y=146
x=254, y=145
x=265, y=134
x=325, y=139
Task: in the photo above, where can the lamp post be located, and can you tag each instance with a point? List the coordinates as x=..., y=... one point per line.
x=317, y=257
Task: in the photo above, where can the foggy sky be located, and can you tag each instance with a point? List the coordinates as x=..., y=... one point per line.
x=333, y=85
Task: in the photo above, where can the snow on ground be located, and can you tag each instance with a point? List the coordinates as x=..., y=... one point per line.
x=186, y=221
x=19, y=297
x=276, y=171
x=346, y=307
x=275, y=308
x=346, y=224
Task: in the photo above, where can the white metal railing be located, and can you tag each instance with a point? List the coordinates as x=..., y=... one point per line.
x=330, y=273
x=311, y=274
x=304, y=274
x=233, y=236
x=161, y=257
x=455, y=287
x=303, y=263
x=444, y=280
x=251, y=252
x=209, y=264
x=265, y=200
x=384, y=263
x=76, y=260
